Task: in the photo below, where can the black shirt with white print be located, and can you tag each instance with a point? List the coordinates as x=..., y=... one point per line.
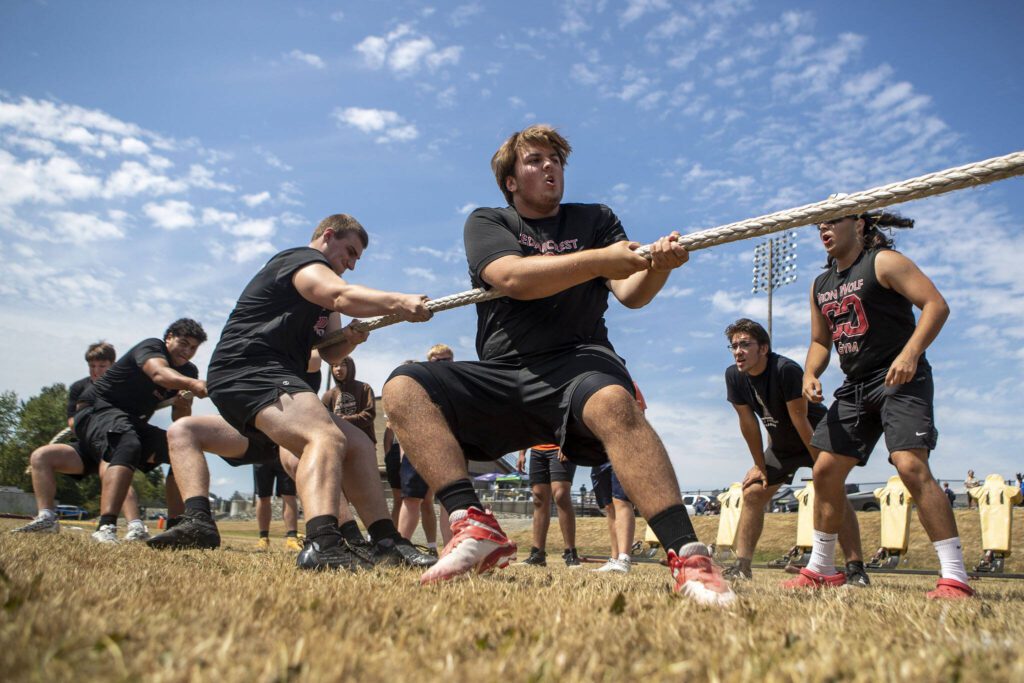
x=127, y=387
x=508, y=329
x=767, y=394
x=272, y=322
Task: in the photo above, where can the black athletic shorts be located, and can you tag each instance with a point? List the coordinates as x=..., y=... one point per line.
x=782, y=466
x=499, y=407
x=90, y=464
x=393, y=466
x=412, y=484
x=100, y=429
x=545, y=467
x=606, y=486
x=241, y=393
x=265, y=474
x=261, y=451
x=865, y=410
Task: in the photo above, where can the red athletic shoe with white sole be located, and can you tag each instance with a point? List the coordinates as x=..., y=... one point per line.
x=950, y=589
x=698, y=577
x=810, y=579
x=478, y=544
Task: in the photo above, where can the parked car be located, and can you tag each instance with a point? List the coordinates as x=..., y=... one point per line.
x=71, y=512
x=862, y=501
x=696, y=504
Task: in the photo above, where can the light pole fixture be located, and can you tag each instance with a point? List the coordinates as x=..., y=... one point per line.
x=774, y=266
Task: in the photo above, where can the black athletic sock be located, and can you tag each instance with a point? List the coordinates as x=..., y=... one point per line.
x=324, y=530
x=381, y=529
x=265, y=534
x=294, y=533
x=350, y=531
x=673, y=528
x=106, y=519
x=172, y=522
x=855, y=565
x=199, y=504
x=459, y=495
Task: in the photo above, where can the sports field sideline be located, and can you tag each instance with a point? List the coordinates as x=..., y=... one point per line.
x=73, y=610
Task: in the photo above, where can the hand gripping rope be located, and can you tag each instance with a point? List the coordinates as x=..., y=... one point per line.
x=941, y=182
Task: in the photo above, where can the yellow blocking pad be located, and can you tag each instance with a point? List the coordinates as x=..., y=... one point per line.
x=729, y=518
x=896, y=505
x=805, y=516
x=995, y=504
x=650, y=538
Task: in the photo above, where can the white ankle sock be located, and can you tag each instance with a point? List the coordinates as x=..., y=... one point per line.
x=47, y=513
x=624, y=557
x=823, y=553
x=951, y=559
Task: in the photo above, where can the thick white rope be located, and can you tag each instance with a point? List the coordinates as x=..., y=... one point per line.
x=941, y=182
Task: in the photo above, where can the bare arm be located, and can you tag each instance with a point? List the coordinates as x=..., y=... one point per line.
x=162, y=374
x=535, y=277
x=318, y=284
x=751, y=432
x=336, y=352
x=640, y=288
x=521, y=462
x=897, y=272
x=797, y=409
x=817, y=353
x=182, y=407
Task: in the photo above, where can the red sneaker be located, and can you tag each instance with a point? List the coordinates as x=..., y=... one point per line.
x=808, y=579
x=950, y=589
x=698, y=577
x=478, y=543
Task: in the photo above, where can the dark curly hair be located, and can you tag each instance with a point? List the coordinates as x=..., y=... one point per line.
x=754, y=329
x=186, y=327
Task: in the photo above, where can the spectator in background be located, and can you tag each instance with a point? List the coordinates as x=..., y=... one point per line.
x=1020, y=485
x=949, y=494
x=971, y=482
x=551, y=477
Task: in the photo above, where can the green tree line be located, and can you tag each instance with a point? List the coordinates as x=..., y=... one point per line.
x=27, y=425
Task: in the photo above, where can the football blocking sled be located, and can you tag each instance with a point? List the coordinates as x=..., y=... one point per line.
x=995, y=505
x=896, y=504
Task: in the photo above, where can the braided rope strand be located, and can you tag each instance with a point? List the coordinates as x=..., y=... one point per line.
x=932, y=184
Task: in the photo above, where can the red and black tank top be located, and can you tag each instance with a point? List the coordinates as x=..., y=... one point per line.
x=870, y=323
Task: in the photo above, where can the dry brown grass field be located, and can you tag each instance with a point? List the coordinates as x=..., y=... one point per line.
x=74, y=611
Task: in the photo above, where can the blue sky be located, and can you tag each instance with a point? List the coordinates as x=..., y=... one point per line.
x=153, y=155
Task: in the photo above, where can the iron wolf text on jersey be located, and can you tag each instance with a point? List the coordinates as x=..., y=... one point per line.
x=548, y=246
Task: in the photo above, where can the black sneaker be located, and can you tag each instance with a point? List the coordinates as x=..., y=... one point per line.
x=537, y=558
x=340, y=556
x=856, y=575
x=571, y=557
x=737, y=573
x=193, y=530
x=401, y=553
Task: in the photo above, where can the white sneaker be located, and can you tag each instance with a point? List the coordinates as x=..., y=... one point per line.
x=42, y=524
x=137, y=532
x=615, y=565
x=106, y=534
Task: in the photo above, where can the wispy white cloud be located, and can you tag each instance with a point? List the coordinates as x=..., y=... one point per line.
x=252, y=200
x=388, y=124
x=420, y=273
x=463, y=14
x=306, y=58
x=404, y=51
x=172, y=214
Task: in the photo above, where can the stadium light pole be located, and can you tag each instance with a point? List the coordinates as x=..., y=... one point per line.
x=774, y=266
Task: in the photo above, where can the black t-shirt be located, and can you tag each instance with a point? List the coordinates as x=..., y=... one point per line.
x=127, y=386
x=507, y=328
x=75, y=394
x=272, y=322
x=767, y=394
x=870, y=323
